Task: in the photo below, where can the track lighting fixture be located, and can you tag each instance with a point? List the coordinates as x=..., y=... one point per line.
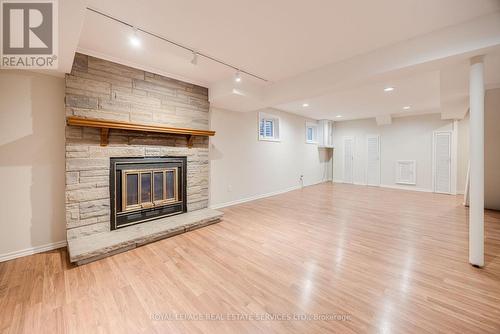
x=237, y=76
x=194, y=60
x=134, y=39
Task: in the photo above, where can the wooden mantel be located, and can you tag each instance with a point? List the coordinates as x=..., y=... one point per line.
x=106, y=125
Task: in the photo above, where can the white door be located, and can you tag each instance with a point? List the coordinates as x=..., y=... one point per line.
x=442, y=162
x=348, y=159
x=373, y=160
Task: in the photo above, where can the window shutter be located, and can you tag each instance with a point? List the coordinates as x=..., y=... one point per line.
x=310, y=134
x=269, y=128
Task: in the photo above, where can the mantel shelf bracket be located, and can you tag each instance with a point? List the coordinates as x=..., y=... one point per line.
x=190, y=139
x=104, y=136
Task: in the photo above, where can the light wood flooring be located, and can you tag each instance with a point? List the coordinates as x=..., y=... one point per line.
x=389, y=261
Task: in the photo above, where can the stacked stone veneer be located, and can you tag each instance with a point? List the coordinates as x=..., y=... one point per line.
x=104, y=90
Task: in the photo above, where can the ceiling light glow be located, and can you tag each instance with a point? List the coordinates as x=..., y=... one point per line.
x=305, y=105
x=388, y=89
x=134, y=39
x=237, y=76
x=339, y=116
x=406, y=107
x=135, y=42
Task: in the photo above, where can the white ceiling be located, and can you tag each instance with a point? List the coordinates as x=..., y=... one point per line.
x=276, y=39
x=291, y=42
x=424, y=92
x=421, y=92
x=153, y=55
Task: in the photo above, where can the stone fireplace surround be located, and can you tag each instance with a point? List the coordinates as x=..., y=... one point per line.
x=100, y=89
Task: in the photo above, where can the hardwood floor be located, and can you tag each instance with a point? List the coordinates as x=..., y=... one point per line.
x=389, y=261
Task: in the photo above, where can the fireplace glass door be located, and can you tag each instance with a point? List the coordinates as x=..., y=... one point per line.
x=149, y=188
x=143, y=189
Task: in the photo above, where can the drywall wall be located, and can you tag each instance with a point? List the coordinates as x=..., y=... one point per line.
x=463, y=153
x=492, y=149
x=31, y=163
x=242, y=167
x=407, y=138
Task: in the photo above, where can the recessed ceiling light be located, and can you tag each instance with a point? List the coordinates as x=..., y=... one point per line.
x=388, y=89
x=406, y=107
x=339, y=116
x=305, y=105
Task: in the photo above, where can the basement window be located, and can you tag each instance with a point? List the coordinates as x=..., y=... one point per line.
x=311, y=133
x=269, y=127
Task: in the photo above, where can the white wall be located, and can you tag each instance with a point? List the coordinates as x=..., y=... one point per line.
x=242, y=167
x=407, y=138
x=492, y=149
x=31, y=163
x=463, y=153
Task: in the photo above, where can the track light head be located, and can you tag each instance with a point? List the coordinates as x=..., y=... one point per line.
x=134, y=38
x=194, y=60
x=237, y=76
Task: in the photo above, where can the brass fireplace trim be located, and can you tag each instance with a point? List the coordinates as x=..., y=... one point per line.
x=121, y=218
x=143, y=205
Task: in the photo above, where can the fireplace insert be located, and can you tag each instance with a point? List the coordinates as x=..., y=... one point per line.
x=144, y=189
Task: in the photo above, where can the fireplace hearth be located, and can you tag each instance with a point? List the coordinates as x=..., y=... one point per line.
x=144, y=189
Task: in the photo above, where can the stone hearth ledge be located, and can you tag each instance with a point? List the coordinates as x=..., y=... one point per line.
x=97, y=246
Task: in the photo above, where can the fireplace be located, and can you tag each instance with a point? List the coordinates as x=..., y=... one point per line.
x=143, y=189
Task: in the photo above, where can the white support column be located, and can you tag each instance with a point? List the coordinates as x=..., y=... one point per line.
x=476, y=207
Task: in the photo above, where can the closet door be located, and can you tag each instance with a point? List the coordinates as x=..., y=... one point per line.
x=348, y=159
x=373, y=160
x=442, y=162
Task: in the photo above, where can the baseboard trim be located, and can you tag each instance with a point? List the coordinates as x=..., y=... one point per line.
x=32, y=250
x=389, y=186
x=256, y=197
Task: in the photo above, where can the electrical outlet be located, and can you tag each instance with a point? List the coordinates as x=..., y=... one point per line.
x=229, y=188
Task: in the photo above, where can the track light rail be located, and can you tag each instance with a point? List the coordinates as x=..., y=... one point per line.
x=200, y=54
